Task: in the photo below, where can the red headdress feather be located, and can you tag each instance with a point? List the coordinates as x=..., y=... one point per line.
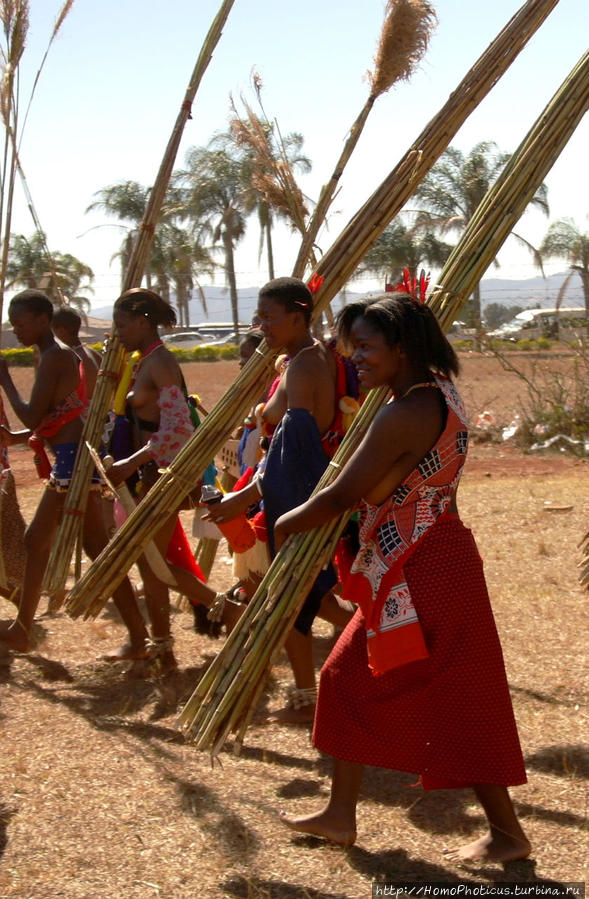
x=410, y=285
x=315, y=283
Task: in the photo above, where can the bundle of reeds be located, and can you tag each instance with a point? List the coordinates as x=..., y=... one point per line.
x=402, y=44
x=58, y=566
x=225, y=698
x=507, y=199
x=341, y=260
x=91, y=592
x=216, y=709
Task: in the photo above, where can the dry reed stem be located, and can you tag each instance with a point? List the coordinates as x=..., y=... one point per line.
x=61, y=17
x=341, y=260
x=272, y=177
x=336, y=267
x=403, y=41
x=75, y=503
x=507, y=199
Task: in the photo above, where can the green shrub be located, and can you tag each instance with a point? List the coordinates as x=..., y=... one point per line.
x=21, y=356
x=25, y=355
x=207, y=353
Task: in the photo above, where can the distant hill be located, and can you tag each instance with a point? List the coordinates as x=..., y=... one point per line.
x=533, y=292
x=530, y=292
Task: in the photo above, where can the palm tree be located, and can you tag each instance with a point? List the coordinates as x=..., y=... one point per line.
x=176, y=262
x=27, y=260
x=214, y=202
x=63, y=275
x=454, y=188
x=400, y=247
x=565, y=240
x=126, y=201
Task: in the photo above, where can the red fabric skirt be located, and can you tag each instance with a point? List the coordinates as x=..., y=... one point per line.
x=448, y=717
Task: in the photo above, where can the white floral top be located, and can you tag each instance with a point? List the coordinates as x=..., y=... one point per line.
x=175, y=427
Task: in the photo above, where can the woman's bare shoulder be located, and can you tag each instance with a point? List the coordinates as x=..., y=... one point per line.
x=163, y=368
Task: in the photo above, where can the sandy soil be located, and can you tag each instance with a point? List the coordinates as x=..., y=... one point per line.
x=101, y=797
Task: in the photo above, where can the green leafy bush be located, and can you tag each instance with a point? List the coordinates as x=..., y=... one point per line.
x=25, y=355
x=21, y=356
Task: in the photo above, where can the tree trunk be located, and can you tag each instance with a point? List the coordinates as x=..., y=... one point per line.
x=475, y=317
x=230, y=272
x=270, y=251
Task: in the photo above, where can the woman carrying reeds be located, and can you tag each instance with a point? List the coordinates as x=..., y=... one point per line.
x=53, y=418
x=416, y=682
x=160, y=424
x=304, y=410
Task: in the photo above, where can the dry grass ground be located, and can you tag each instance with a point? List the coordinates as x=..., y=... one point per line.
x=100, y=796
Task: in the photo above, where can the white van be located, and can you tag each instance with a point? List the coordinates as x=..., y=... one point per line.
x=566, y=323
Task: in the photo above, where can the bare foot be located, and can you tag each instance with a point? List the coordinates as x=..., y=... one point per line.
x=292, y=717
x=126, y=653
x=15, y=636
x=321, y=825
x=491, y=848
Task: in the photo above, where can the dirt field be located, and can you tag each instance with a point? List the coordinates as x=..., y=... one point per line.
x=101, y=797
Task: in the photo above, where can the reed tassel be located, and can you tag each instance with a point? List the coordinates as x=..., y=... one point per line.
x=57, y=568
x=336, y=267
x=403, y=42
x=518, y=182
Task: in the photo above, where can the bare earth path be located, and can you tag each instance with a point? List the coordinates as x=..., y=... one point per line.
x=100, y=796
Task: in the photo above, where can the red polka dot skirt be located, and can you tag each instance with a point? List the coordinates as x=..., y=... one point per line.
x=447, y=718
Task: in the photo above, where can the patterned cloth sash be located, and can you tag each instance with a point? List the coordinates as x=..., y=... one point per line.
x=392, y=531
x=71, y=407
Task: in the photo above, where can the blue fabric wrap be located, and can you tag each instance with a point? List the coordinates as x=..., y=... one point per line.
x=296, y=460
x=63, y=465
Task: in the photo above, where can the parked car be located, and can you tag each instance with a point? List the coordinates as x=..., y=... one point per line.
x=459, y=331
x=223, y=341
x=184, y=340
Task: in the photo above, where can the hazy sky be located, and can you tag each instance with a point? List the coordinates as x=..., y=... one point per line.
x=116, y=74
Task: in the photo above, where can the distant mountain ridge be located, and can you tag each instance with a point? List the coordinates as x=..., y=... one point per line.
x=531, y=292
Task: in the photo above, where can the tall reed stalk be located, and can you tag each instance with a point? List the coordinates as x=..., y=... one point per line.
x=403, y=42
x=14, y=16
x=91, y=592
x=59, y=561
x=225, y=698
